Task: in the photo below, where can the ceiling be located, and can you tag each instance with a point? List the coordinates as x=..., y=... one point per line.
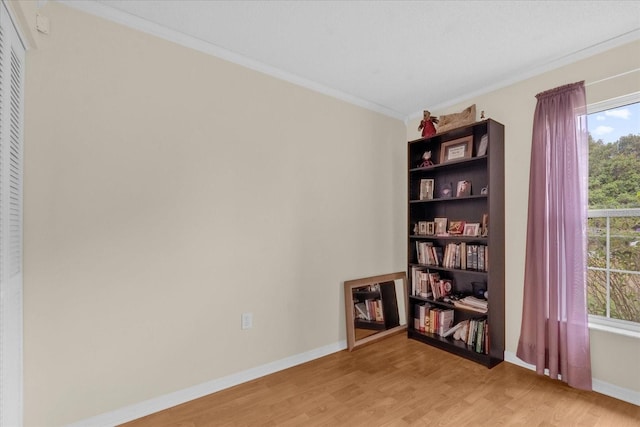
x=395, y=57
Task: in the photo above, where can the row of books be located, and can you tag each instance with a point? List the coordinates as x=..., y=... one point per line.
x=427, y=284
x=466, y=256
x=429, y=254
x=472, y=303
x=439, y=321
x=473, y=332
x=369, y=310
x=433, y=320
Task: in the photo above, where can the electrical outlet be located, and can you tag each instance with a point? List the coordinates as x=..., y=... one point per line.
x=247, y=320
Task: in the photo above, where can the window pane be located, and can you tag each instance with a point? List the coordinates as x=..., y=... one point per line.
x=597, y=292
x=625, y=250
x=597, y=242
x=625, y=296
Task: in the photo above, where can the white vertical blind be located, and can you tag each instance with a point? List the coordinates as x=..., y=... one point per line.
x=11, y=161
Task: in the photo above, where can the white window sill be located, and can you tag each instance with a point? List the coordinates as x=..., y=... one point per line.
x=619, y=327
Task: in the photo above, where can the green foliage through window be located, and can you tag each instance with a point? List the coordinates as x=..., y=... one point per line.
x=614, y=251
x=614, y=173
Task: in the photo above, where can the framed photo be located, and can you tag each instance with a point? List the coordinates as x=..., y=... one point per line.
x=431, y=228
x=426, y=189
x=471, y=229
x=482, y=149
x=440, y=225
x=456, y=149
x=447, y=287
x=456, y=227
x=422, y=227
x=464, y=189
x=446, y=191
x=485, y=225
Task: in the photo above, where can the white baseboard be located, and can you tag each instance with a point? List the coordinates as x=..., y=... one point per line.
x=138, y=410
x=599, y=386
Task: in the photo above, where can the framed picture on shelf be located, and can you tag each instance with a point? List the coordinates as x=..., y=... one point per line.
x=482, y=149
x=422, y=228
x=456, y=227
x=447, y=287
x=485, y=225
x=426, y=189
x=446, y=191
x=464, y=189
x=456, y=149
x=440, y=225
x=430, y=228
x=471, y=229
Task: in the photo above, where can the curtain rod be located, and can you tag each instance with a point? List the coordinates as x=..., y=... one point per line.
x=612, y=77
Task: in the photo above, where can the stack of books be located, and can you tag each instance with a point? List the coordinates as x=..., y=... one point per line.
x=472, y=303
x=433, y=320
x=473, y=332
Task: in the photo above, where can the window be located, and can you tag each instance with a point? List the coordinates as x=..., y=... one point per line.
x=613, y=257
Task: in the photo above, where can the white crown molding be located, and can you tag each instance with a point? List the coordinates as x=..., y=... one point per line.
x=138, y=410
x=137, y=23
x=557, y=63
x=599, y=386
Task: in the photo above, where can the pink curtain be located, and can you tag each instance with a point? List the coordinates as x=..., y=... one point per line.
x=554, y=333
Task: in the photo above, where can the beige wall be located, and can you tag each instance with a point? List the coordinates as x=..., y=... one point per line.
x=166, y=193
x=614, y=357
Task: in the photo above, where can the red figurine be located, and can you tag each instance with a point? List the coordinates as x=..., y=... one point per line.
x=427, y=125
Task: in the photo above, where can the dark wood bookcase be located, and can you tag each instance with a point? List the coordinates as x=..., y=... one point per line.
x=485, y=172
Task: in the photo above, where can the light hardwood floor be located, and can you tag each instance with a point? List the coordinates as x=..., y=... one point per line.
x=399, y=382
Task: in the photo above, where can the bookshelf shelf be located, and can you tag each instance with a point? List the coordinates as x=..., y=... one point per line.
x=451, y=164
x=457, y=264
x=451, y=200
x=446, y=305
x=369, y=324
x=452, y=270
x=450, y=238
x=432, y=301
x=454, y=346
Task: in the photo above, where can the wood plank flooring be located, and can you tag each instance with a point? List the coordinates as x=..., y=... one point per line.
x=399, y=382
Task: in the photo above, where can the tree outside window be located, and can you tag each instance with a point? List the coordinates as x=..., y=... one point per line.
x=613, y=275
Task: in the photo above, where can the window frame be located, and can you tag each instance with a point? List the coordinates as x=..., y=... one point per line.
x=597, y=322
